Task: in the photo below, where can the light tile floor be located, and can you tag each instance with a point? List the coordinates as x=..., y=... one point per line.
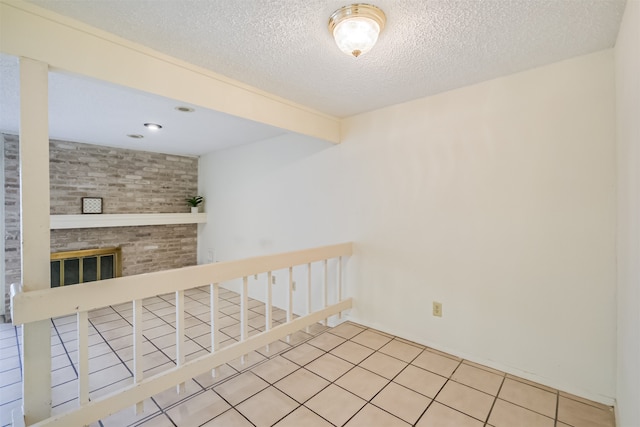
x=345, y=376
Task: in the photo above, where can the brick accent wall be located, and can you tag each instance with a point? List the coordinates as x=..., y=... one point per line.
x=129, y=182
x=144, y=249
x=12, y=268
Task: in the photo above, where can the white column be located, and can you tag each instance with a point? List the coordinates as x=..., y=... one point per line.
x=34, y=229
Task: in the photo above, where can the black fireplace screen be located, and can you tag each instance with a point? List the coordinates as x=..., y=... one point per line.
x=73, y=267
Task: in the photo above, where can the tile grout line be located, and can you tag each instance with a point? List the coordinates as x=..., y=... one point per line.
x=436, y=395
x=165, y=320
x=271, y=384
x=238, y=373
x=409, y=363
x=374, y=396
x=495, y=399
x=65, y=348
x=162, y=352
x=334, y=381
x=555, y=422
x=460, y=363
x=527, y=409
x=15, y=330
x=299, y=405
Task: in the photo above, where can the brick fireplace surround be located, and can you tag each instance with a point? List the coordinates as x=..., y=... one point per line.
x=129, y=182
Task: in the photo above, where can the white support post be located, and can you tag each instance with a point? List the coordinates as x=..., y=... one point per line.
x=308, y=292
x=138, y=371
x=83, y=357
x=180, y=356
x=244, y=307
x=34, y=229
x=339, y=285
x=268, y=304
x=215, y=323
x=324, y=289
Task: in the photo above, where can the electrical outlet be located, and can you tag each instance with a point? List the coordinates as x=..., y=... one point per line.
x=210, y=255
x=293, y=285
x=437, y=309
x=273, y=280
x=255, y=277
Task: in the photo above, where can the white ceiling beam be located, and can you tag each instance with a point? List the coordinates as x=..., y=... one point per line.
x=66, y=44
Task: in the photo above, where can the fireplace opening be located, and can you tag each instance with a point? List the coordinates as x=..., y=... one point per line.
x=73, y=267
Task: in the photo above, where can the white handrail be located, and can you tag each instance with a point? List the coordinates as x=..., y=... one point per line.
x=27, y=307
x=40, y=305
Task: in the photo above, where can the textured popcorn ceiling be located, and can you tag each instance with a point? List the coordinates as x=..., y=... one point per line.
x=284, y=47
x=428, y=46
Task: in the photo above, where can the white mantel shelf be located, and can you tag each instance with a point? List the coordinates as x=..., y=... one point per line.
x=59, y=222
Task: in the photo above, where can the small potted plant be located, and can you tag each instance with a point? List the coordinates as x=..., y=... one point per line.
x=194, y=202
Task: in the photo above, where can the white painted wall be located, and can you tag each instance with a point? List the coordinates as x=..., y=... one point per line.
x=497, y=200
x=627, y=62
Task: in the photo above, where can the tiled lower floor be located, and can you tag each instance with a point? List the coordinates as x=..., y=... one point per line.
x=349, y=375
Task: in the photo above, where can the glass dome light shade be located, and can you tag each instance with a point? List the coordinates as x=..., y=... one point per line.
x=355, y=28
x=355, y=36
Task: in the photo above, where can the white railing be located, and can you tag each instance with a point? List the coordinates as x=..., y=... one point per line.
x=40, y=305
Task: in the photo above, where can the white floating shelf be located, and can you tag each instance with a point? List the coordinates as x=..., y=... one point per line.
x=59, y=222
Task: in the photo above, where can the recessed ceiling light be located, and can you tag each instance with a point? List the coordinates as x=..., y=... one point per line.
x=135, y=136
x=185, y=109
x=153, y=126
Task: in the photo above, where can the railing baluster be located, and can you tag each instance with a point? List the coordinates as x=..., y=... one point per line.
x=137, y=348
x=290, y=300
x=290, y=296
x=180, y=356
x=83, y=357
x=324, y=290
x=244, y=307
x=215, y=324
x=339, y=285
x=136, y=393
x=268, y=316
x=308, y=292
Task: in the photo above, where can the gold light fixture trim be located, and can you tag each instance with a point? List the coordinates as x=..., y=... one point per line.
x=356, y=27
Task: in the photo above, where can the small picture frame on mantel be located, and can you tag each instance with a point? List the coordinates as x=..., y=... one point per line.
x=92, y=205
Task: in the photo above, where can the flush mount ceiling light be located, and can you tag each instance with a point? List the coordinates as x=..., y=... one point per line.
x=356, y=27
x=153, y=126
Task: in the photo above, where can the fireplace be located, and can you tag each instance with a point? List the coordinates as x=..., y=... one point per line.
x=73, y=267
